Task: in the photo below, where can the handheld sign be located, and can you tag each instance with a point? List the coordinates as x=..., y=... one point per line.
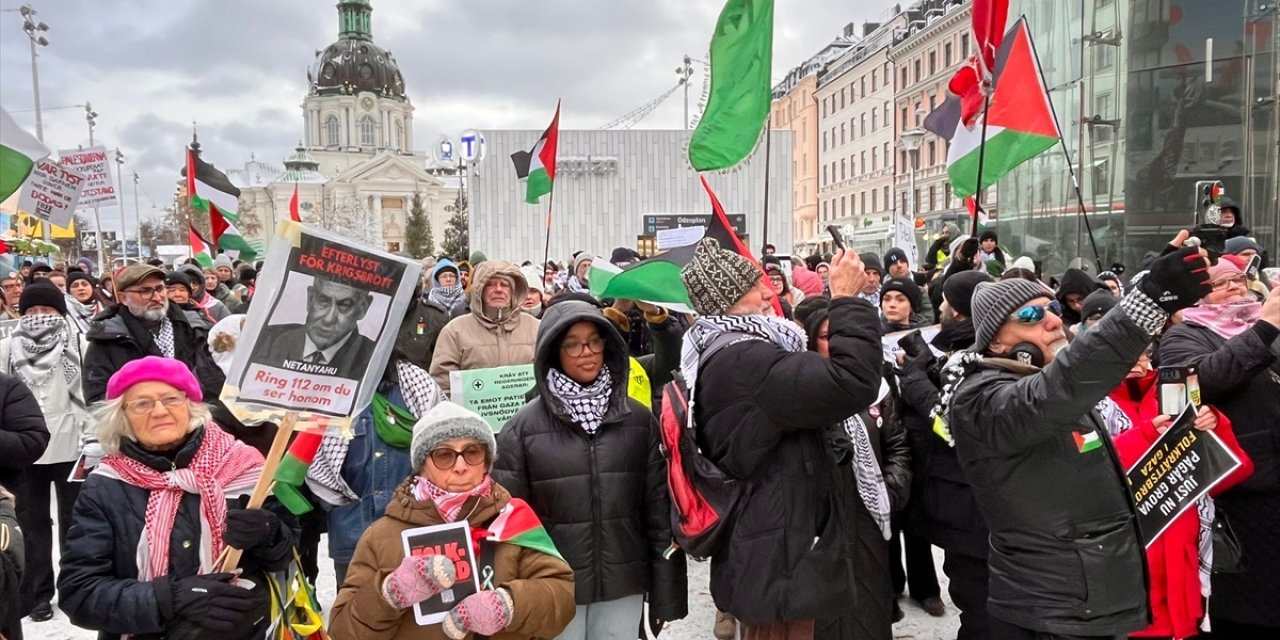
x=496, y=393
x=1181, y=466
x=322, y=325
x=452, y=540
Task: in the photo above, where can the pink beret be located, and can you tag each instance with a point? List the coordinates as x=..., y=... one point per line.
x=154, y=369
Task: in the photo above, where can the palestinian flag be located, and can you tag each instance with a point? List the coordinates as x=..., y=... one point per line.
x=1086, y=442
x=977, y=215
x=292, y=472
x=538, y=165
x=19, y=152
x=1020, y=122
x=657, y=279
x=199, y=248
x=294, y=215
x=212, y=192
x=517, y=524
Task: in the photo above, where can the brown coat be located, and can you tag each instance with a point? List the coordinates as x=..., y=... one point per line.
x=478, y=341
x=541, y=586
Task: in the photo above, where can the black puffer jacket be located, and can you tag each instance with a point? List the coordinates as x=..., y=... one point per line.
x=97, y=583
x=602, y=497
x=762, y=415
x=1241, y=377
x=1065, y=554
x=117, y=337
x=23, y=434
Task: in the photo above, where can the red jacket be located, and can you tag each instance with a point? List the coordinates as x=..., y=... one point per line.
x=1176, y=604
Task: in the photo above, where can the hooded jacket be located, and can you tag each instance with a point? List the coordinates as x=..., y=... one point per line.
x=1065, y=554
x=1075, y=281
x=541, y=586
x=602, y=497
x=486, y=337
x=23, y=434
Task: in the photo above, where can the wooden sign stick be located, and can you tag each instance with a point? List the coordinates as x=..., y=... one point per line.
x=230, y=557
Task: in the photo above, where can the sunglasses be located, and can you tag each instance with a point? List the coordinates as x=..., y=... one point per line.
x=473, y=454
x=1034, y=314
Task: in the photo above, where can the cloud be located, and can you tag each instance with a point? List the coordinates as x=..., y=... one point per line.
x=238, y=67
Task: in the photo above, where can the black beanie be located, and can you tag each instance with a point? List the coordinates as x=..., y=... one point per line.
x=871, y=262
x=958, y=290
x=179, y=277
x=1098, y=302
x=42, y=292
x=80, y=275
x=907, y=287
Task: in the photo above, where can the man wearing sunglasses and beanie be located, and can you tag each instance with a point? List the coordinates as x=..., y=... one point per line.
x=1065, y=557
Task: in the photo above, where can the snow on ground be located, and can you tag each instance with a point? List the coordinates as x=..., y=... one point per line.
x=918, y=625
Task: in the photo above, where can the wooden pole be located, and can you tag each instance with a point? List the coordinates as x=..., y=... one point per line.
x=230, y=557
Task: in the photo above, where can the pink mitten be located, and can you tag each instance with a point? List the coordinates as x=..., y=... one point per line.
x=484, y=613
x=417, y=579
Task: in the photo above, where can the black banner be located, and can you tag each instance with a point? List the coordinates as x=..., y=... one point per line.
x=1179, y=468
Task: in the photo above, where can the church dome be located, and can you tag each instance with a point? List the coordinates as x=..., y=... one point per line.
x=354, y=64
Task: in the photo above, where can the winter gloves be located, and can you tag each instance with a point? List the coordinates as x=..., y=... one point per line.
x=484, y=613
x=1177, y=280
x=261, y=535
x=418, y=578
x=210, y=601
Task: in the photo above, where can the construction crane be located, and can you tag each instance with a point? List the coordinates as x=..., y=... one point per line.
x=634, y=117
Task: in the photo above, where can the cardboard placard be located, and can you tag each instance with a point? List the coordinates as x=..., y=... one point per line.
x=889, y=342
x=7, y=327
x=453, y=540
x=92, y=162
x=52, y=192
x=496, y=394
x=1180, y=467
x=322, y=326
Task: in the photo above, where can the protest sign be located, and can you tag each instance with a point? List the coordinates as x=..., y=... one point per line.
x=679, y=237
x=92, y=162
x=51, y=192
x=7, y=327
x=496, y=394
x=322, y=326
x=889, y=342
x=452, y=540
x=904, y=237
x=1180, y=467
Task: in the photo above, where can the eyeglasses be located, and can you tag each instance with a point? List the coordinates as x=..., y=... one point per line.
x=143, y=406
x=11, y=286
x=147, y=292
x=473, y=454
x=1240, y=281
x=1034, y=314
x=595, y=345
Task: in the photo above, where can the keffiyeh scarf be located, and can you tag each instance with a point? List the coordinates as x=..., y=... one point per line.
x=585, y=405
x=575, y=285
x=449, y=504
x=870, y=477
x=961, y=364
x=447, y=297
x=164, y=337
x=781, y=332
x=223, y=468
x=41, y=344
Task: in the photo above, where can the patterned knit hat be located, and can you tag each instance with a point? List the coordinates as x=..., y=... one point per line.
x=444, y=422
x=716, y=278
x=994, y=302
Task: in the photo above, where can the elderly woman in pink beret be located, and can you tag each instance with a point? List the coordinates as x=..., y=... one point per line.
x=154, y=516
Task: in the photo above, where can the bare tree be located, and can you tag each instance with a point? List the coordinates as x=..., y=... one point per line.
x=349, y=217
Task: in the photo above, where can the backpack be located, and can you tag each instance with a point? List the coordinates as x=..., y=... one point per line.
x=704, y=499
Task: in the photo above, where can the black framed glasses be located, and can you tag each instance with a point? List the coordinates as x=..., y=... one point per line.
x=143, y=406
x=1034, y=314
x=148, y=292
x=575, y=348
x=473, y=454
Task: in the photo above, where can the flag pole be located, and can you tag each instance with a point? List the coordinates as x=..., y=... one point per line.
x=1066, y=153
x=982, y=156
x=768, y=139
x=546, y=247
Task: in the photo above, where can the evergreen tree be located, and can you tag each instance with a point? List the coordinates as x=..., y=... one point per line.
x=417, y=230
x=457, y=236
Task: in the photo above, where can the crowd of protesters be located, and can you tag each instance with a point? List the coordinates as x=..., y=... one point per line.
x=867, y=412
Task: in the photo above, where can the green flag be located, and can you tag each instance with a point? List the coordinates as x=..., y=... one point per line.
x=741, y=61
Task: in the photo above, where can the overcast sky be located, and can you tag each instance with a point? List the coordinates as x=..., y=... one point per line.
x=238, y=68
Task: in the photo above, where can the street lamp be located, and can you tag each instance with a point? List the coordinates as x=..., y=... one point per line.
x=35, y=30
x=124, y=240
x=684, y=72
x=137, y=215
x=91, y=117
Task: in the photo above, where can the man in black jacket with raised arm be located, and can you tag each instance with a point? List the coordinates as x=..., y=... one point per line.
x=1066, y=559
x=762, y=406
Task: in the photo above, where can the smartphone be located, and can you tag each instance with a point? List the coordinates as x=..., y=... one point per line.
x=1173, y=389
x=836, y=236
x=1255, y=263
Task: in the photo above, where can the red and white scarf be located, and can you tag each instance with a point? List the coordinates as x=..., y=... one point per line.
x=449, y=504
x=222, y=468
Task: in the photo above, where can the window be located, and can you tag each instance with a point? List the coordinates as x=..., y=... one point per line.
x=1101, y=176
x=863, y=198
x=863, y=161
x=1102, y=109
x=874, y=194
x=886, y=196
x=874, y=126
x=933, y=154
x=853, y=165
x=887, y=155
x=916, y=200
x=873, y=79
x=824, y=140
x=844, y=210
x=875, y=159
x=842, y=133
x=904, y=118
x=826, y=177
x=917, y=68
x=946, y=54
x=904, y=202
x=863, y=125
x=886, y=113
x=1104, y=56
x=824, y=210
x=964, y=45
x=843, y=166
x=401, y=143
x=367, y=128
x=933, y=102
x=862, y=86
x=904, y=77
x=933, y=62
x=331, y=131
x=933, y=203
x=919, y=109
x=946, y=194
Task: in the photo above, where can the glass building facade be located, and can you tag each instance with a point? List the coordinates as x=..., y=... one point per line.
x=1153, y=97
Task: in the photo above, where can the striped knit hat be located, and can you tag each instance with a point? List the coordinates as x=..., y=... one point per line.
x=994, y=302
x=717, y=279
